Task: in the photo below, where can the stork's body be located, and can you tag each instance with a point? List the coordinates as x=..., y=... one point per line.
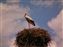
x=29, y=20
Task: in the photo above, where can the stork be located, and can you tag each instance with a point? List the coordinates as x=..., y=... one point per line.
x=29, y=20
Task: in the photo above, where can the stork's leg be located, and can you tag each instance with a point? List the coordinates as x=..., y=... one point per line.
x=29, y=25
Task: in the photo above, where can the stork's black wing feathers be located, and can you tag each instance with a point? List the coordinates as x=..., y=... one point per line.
x=30, y=21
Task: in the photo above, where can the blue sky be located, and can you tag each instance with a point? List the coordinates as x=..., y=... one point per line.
x=42, y=14
x=45, y=14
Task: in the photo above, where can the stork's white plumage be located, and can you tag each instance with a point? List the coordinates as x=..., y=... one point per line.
x=29, y=19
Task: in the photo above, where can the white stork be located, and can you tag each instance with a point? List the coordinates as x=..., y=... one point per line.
x=29, y=20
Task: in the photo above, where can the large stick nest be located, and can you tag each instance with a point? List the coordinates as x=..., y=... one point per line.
x=33, y=37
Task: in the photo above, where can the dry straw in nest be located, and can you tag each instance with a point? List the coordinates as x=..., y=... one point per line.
x=34, y=37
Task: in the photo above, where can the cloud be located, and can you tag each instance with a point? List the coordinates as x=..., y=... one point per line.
x=13, y=2
x=8, y=1
x=42, y=2
x=57, y=25
x=10, y=15
x=46, y=3
x=11, y=21
x=52, y=44
x=61, y=1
